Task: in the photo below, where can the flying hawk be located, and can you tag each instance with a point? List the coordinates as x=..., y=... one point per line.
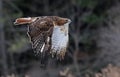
x=47, y=34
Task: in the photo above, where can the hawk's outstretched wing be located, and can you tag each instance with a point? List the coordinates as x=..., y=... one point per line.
x=39, y=31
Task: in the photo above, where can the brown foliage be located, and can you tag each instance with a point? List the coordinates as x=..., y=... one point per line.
x=109, y=71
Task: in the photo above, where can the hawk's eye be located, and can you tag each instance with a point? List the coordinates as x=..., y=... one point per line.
x=66, y=21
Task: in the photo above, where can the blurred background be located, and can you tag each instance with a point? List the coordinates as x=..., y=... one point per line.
x=94, y=44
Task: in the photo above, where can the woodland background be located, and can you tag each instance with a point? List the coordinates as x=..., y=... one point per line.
x=94, y=47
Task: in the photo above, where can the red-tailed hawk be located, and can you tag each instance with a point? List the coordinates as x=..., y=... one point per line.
x=47, y=34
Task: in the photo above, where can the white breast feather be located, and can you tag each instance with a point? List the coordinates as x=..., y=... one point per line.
x=60, y=38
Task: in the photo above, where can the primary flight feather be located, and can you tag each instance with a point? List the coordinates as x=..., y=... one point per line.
x=47, y=34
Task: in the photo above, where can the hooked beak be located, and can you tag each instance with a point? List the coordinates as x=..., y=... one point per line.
x=69, y=21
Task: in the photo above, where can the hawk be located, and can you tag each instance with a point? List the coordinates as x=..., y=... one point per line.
x=48, y=34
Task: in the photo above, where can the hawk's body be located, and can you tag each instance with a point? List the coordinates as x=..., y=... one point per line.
x=47, y=34
x=60, y=39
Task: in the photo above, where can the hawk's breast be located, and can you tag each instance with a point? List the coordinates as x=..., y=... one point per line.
x=59, y=39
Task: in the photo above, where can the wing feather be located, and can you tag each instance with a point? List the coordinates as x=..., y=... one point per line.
x=39, y=31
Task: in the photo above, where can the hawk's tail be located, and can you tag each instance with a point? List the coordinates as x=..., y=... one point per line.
x=19, y=21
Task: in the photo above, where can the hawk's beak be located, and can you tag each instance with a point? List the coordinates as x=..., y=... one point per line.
x=69, y=21
x=19, y=21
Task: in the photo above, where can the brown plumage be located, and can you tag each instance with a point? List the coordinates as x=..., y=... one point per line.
x=40, y=31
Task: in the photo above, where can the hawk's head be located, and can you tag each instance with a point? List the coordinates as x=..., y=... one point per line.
x=59, y=21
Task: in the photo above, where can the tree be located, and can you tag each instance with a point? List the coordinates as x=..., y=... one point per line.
x=2, y=42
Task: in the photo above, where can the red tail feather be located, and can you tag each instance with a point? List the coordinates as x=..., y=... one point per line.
x=19, y=21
